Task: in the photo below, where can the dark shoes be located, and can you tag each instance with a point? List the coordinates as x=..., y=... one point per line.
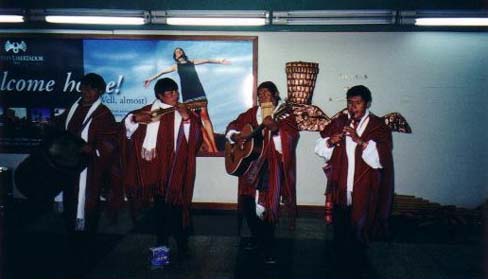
x=183, y=253
x=269, y=260
x=250, y=245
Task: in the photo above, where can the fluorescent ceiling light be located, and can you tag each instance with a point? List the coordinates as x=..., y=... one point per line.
x=460, y=21
x=11, y=18
x=332, y=21
x=109, y=20
x=207, y=21
x=211, y=17
x=334, y=17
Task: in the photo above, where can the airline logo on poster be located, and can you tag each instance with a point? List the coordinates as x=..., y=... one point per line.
x=14, y=51
x=15, y=47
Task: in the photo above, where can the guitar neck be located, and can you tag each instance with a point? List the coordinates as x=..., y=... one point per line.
x=259, y=128
x=255, y=131
x=277, y=115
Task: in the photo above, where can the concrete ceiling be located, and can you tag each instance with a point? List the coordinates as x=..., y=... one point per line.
x=273, y=5
x=268, y=5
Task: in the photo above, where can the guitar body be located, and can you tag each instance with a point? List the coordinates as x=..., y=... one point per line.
x=238, y=157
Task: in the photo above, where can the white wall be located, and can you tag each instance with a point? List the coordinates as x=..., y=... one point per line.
x=437, y=80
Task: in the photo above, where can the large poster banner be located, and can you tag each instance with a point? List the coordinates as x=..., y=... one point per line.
x=40, y=79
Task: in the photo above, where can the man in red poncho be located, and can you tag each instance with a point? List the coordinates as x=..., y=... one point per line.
x=160, y=162
x=273, y=174
x=357, y=146
x=91, y=120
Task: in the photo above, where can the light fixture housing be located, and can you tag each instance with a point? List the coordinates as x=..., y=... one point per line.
x=210, y=17
x=92, y=16
x=251, y=18
x=334, y=17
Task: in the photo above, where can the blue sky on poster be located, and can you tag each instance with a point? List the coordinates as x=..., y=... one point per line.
x=228, y=87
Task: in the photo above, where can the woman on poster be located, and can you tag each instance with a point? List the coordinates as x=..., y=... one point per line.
x=192, y=89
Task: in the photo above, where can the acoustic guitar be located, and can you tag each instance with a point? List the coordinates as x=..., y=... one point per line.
x=239, y=156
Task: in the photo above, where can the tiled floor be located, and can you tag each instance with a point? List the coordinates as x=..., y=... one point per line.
x=39, y=250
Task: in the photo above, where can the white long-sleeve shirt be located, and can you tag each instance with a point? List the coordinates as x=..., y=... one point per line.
x=370, y=153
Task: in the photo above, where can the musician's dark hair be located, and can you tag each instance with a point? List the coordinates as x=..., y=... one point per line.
x=271, y=87
x=360, y=90
x=95, y=81
x=164, y=84
x=183, y=55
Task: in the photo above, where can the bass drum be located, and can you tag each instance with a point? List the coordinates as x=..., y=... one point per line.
x=53, y=166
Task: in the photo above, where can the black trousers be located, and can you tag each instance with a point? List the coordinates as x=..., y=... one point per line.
x=350, y=259
x=344, y=230
x=169, y=221
x=262, y=231
x=348, y=245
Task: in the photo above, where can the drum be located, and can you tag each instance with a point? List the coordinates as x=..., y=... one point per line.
x=51, y=167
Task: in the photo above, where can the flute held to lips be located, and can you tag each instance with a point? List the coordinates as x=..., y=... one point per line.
x=146, y=117
x=340, y=138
